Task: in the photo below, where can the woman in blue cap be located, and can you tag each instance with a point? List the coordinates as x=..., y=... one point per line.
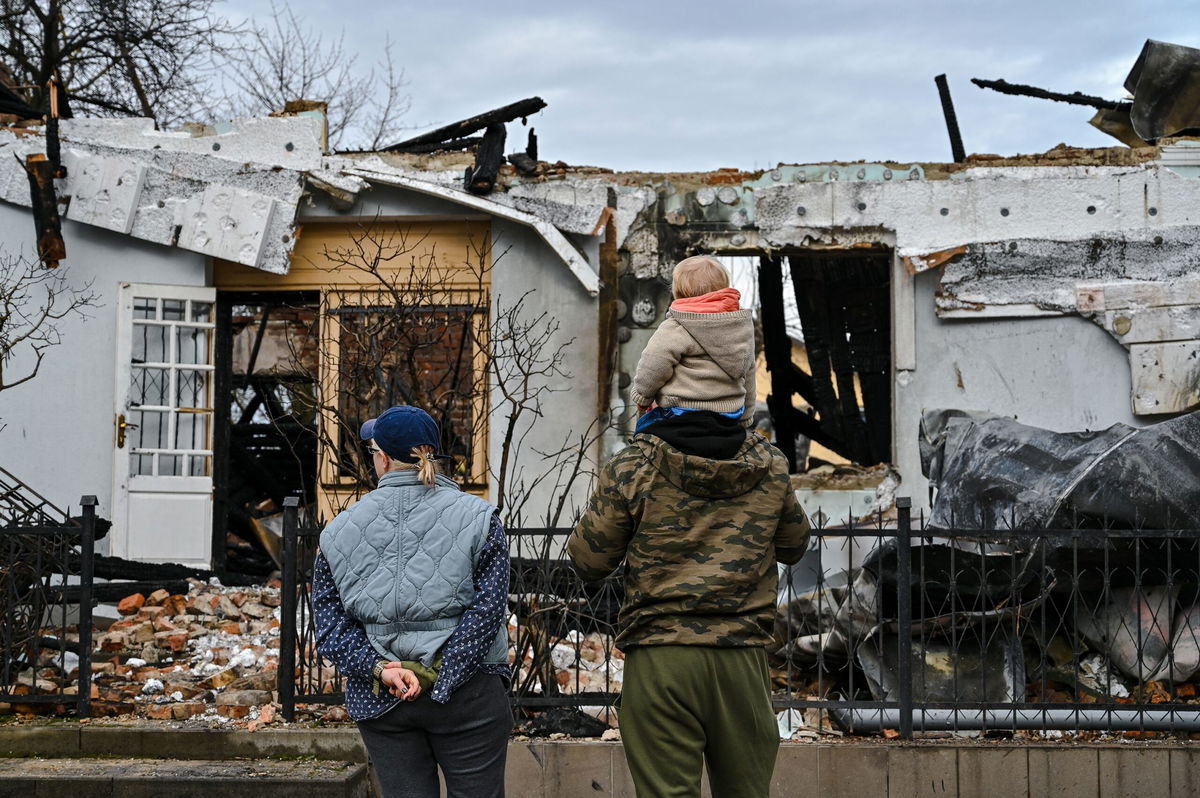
x=410, y=595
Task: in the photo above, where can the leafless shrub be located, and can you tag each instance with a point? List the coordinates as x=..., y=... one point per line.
x=33, y=302
x=115, y=57
x=283, y=59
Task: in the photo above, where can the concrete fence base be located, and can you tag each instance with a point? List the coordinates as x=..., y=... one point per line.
x=566, y=769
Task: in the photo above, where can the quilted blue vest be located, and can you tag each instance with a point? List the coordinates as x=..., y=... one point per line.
x=403, y=559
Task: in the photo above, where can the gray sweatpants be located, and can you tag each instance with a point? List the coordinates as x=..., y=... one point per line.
x=467, y=737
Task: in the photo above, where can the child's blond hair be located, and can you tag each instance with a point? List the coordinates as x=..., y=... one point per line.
x=698, y=275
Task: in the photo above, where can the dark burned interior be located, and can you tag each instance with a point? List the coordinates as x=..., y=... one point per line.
x=266, y=430
x=844, y=303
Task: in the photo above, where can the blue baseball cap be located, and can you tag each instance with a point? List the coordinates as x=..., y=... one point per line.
x=398, y=430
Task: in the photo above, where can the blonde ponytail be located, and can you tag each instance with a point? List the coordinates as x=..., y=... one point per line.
x=426, y=466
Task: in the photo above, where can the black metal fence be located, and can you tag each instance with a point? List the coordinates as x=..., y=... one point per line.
x=45, y=621
x=885, y=628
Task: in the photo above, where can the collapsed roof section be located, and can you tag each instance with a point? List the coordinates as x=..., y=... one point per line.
x=1065, y=232
x=233, y=193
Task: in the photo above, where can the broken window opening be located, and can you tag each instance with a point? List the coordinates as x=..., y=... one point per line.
x=268, y=363
x=843, y=304
x=424, y=356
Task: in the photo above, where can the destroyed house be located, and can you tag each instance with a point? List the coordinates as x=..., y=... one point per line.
x=251, y=285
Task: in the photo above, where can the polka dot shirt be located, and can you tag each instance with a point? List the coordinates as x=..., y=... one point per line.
x=343, y=641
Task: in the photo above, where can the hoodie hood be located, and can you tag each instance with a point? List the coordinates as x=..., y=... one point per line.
x=704, y=477
x=728, y=338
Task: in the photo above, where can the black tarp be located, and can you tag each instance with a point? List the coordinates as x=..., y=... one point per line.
x=991, y=472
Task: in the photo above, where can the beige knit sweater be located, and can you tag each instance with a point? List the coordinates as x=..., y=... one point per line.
x=704, y=361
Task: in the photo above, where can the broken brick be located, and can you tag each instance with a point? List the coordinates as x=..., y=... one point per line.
x=255, y=610
x=244, y=698
x=131, y=604
x=234, y=711
x=175, y=605
x=113, y=641
x=175, y=641
x=219, y=679
x=158, y=597
x=186, y=709
x=143, y=633
x=162, y=624
x=149, y=613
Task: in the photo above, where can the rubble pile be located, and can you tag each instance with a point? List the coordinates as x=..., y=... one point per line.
x=211, y=655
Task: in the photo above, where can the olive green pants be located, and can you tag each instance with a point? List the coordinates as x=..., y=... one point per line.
x=684, y=705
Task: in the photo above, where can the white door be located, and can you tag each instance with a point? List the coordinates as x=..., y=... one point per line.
x=162, y=478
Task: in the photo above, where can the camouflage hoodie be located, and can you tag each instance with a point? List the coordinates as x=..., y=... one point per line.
x=700, y=538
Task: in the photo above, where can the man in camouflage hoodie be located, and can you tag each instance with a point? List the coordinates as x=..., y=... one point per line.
x=700, y=511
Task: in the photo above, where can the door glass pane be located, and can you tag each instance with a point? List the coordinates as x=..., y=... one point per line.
x=151, y=432
x=170, y=465
x=173, y=309
x=191, y=388
x=192, y=345
x=149, y=343
x=149, y=386
x=191, y=431
x=145, y=307
x=141, y=464
x=202, y=311
x=200, y=465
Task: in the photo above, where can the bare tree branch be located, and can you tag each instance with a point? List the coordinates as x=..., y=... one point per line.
x=152, y=57
x=283, y=59
x=33, y=301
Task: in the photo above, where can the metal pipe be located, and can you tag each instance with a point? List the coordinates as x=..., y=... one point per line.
x=87, y=567
x=1015, y=719
x=286, y=683
x=904, y=612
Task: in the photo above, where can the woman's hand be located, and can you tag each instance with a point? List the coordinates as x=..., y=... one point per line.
x=400, y=681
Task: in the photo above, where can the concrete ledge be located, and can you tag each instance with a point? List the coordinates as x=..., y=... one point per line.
x=70, y=740
x=566, y=769
x=182, y=778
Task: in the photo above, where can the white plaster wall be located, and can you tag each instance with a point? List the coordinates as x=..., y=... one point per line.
x=1063, y=373
x=58, y=433
x=528, y=264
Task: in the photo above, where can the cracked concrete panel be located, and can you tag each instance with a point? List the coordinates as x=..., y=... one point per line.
x=172, y=184
x=1030, y=277
x=1099, y=297
x=982, y=205
x=293, y=142
x=573, y=206
x=1146, y=325
x=104, y=191
x=1166, y=377
x=642, y=247
x=227, y=223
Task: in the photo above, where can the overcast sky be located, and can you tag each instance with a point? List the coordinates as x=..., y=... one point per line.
x=699, y=85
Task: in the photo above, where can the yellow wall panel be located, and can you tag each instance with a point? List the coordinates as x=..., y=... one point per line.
x=331, y=254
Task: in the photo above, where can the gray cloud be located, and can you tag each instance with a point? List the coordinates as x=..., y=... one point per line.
x=699, y=85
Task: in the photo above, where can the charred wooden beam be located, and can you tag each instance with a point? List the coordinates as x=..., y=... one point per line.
x=956, y=145
x=440, y=146
x=46, y=221
x=524, y=164
x=466, y=127
x=12, y=104
x=1074, y=98
x=488, y=159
